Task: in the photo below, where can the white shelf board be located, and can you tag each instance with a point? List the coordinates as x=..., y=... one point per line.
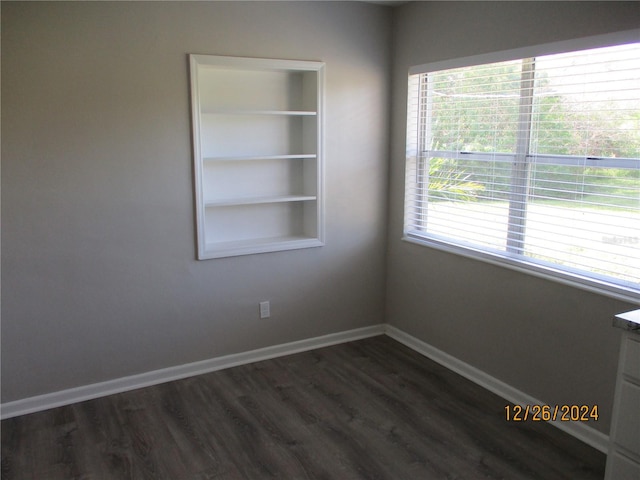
x=241, y=158
x=259, y=245
x=229, y=202
x=292, y=113
x=255, y=64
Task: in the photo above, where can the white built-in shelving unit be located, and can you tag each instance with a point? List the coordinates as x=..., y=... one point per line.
x=257, y=135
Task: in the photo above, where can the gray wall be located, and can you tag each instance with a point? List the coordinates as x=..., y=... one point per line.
x=550, y=341
x=99, y=273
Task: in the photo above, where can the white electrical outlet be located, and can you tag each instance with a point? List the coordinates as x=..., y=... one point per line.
x=265, y=309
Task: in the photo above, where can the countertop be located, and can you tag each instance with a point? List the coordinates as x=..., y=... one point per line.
x=628, y=321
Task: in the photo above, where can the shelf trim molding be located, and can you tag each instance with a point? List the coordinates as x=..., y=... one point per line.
x=249, y=63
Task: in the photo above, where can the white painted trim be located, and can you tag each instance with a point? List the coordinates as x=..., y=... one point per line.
x=124, y=384
x=588, y=435
x=562, y=46
x=39, y=403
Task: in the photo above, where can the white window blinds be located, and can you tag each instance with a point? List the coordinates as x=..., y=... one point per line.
x=536, y=161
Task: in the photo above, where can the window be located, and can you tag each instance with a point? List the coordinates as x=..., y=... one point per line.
x=533, y=163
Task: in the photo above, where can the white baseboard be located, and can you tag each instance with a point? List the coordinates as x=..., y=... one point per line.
x=39, y=403
x=588, y=435
x=88, y=392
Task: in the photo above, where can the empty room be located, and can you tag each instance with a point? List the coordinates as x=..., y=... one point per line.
x=320, y=240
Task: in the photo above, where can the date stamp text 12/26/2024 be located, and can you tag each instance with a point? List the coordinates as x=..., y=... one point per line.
x=546, y=413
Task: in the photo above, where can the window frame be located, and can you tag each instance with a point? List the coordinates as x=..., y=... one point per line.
x=510, y=258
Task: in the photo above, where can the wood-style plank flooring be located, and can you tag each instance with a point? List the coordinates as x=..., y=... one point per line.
x=371, y=409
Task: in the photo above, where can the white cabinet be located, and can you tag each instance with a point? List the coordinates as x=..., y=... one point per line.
x=258, y=158
x=623, y=462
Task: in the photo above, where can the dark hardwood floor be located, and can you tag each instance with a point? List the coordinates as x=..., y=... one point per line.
x=371, y=409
